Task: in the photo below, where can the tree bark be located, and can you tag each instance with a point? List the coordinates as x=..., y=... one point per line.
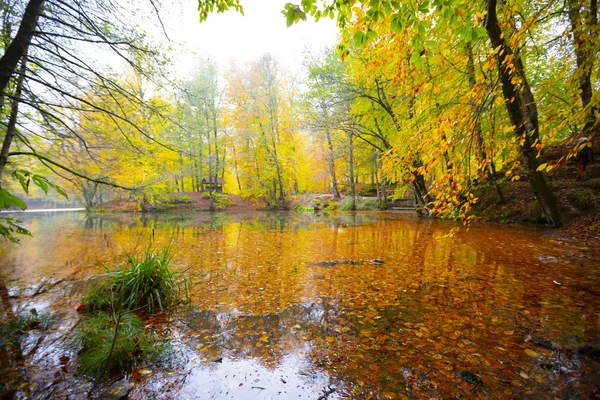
x=584, y=55
x=520, y=118
x=19, y=45
x=351, y=162
x=11, y=129
x=336, y=192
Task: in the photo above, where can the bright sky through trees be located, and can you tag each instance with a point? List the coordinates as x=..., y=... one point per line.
x=231, y=36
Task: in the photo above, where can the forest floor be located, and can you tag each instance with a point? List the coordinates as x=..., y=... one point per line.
x=579, y=199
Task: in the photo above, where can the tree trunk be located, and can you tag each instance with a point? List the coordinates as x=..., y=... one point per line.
x=200, y=164
x=211, y=203
x=11, y=129
x=19, y=45
x=336, y=192
x=351, y=162
x=584, y=55
x=524, y=127
x=180, y=172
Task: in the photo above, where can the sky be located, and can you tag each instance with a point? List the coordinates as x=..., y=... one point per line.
x=231, y=36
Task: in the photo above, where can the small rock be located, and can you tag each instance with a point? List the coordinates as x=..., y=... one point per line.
x=117, y=391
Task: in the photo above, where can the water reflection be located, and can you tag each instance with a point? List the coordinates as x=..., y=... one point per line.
x=265, y=306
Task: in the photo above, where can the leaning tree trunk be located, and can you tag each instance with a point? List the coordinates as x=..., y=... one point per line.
x=525, y=128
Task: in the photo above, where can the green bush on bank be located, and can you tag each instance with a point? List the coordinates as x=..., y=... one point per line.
x=222, y=201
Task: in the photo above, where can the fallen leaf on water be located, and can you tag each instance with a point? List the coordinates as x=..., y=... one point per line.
x=531, y=353
x=145, y=371
x=390, y=395
x=523, y=375
x=508, y=333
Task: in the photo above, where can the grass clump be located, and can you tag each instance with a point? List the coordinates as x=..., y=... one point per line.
x=110, y=344
x=113, y=337
x=142, y=282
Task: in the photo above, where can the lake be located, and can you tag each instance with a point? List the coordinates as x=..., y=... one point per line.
x=347, y=305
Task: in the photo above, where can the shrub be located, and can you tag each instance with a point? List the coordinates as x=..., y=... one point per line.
x=222, y=201
x=299, y=209
x=332, y=206
x=367, y=191
x=142, y=282
x=583, y=199
x=110, y=344
x=369, y=205
x=179, y=199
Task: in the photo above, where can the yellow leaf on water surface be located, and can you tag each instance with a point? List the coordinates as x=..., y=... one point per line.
x=523, y=375
x=531, y=353
x=145, y=371
x=508, y=333
x=264, y=338
x=390, y=395
x=330, y=339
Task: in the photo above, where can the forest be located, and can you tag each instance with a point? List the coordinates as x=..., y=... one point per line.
x=255, y=229
x=440, y=100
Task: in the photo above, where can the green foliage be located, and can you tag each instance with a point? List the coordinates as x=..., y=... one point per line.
x=592, y=183
x=368, y=205
x=110, y=344
x=26, y=322
x=222, y=201
x=179, y=199
x=9, y=227
x=146, y=282
x=205, y=7
x=367, y=191
x=583, y=198
x=300, y=209
x=25, y=178
x=347, y=205
x=293, y=13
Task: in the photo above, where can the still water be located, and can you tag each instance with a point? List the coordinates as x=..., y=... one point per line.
x=365, y=305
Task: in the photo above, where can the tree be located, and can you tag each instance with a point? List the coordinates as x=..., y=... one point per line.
x=47, y=68
x=264, y=130
x=414, y=22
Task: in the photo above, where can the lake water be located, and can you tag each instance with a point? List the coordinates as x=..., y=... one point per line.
x=491, y=311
